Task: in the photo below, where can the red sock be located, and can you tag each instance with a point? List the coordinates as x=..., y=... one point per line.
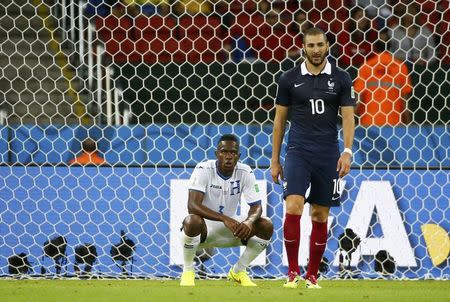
x=317, y=246
x=291, y=231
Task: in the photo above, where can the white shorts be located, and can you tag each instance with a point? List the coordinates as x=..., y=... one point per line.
x=219, y=235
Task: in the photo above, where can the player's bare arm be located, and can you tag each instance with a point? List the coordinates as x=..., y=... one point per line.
x=279, y=125
x=195, y=206
x=245, y=229
x=348, y=128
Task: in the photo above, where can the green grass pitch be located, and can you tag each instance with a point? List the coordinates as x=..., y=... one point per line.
x=219, y=291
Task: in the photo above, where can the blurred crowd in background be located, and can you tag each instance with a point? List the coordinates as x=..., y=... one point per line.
x=415, y=31
x=389, y=47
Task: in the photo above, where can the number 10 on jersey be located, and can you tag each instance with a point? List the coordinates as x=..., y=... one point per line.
x=317, y=106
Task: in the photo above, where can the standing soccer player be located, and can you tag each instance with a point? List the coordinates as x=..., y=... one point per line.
x=313, y=93
x=215, y=191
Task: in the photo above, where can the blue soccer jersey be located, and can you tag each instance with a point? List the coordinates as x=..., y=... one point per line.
x=314, y=101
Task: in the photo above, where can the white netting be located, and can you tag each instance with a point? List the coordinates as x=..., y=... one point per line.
x=156, y=83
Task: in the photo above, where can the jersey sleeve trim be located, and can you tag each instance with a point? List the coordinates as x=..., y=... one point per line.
x=254, y=203
x=196, y=190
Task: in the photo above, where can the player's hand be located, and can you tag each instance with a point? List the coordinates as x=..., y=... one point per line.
x=343, y=164
x=244, y=230
x=277, y=172
x=231, y=224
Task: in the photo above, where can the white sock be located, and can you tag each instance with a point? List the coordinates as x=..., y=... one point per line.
x=255, y=246
x=190, y=245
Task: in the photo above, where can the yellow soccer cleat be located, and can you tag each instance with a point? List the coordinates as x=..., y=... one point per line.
x=242, y=278
x=311, y=283
x=187, y=278
x=292, y=281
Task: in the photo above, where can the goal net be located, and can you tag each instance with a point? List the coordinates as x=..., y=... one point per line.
x=155, y=83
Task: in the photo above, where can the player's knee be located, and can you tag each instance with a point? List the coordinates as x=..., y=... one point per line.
x=264, y=228
x=294, y=204
x=193, y=225
x=320, y=214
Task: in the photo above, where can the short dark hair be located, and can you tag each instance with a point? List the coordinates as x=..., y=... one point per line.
x=89, y=145
x=314, y=31
x=229, y=137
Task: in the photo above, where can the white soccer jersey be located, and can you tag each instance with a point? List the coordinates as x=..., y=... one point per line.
x=223, y=194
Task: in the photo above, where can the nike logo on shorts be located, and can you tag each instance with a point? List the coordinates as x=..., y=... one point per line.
x=298, y=85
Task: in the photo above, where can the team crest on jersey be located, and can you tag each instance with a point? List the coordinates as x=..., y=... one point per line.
x=235, y=187
x=330, y=84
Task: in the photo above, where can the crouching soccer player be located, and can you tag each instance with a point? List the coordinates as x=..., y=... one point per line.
x=215, y=190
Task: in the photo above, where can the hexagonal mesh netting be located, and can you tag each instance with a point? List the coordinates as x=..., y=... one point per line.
x=153, y=84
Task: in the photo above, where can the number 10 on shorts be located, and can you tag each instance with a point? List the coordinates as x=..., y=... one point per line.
x=337, y=186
